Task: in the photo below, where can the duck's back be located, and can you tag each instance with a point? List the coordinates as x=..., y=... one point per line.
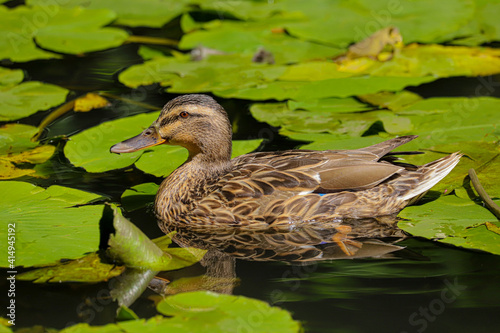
x=283, y=189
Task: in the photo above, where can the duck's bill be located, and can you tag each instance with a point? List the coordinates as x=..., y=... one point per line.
x=149, y=138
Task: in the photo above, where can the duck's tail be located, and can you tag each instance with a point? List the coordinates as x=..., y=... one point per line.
x=429, y=175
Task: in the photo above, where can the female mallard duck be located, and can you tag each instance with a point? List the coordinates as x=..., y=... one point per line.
x=274, y=189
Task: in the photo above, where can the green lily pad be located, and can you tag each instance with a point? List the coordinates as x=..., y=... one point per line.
x=147, y=13
x=205, y=311
x=411, y=61
x=248, y=37
x=90, y=149
x=88, y=269
x=24, y=99
x=139, y=196
x=390, y=100
x=482, y=156
x=10, y=77
x=68, y=30
x=16, y=149
x=217, y=72
x=225, y=313
x=452, y=220
x=340, y=87
x=324, y=121
x=419, y=21
x=50, y=224
x=451, y=120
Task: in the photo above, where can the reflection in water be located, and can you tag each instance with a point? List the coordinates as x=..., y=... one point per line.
x=364, y=238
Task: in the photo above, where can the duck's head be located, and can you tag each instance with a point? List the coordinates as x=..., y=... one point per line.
x=195, y=122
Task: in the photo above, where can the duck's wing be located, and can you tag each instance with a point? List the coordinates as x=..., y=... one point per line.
x=306, y=171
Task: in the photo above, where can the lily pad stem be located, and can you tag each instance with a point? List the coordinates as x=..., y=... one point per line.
x=490, y=204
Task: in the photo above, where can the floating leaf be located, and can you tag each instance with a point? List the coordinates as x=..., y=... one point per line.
x=225, y=313
x=205, y=311
x=484, y=157
x=323, y=121
x=90, y=149
x=89, y=102
x=418, y=21
x=390, y=100
x=340, y=87
x=248, y=37
x=50, y=223
x=75, y=31
x=16, y=149
x=27, y=98
x=89, y=269
x=452, y=220
x=10, y=77
x=139, y=196
x=217, y=72
x=147, y=13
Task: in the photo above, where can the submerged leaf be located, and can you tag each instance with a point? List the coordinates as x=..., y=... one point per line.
x=50, y=223
x=88, y=269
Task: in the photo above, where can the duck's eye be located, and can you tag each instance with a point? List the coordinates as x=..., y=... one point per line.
x=183, y=114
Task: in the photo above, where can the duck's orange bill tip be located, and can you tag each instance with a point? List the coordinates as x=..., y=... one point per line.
x=144, y=140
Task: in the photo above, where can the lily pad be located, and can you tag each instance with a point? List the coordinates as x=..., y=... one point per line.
x=452, y=220
x=139, y=196
x=16, y=149
x=68, y=30
x=10, y=77
x=147, y=13
x=50, y=224
x=341, y=87
x=225, y=313
x=205, y=311
x=324, y=121
x=24, y=99
x=482, y=156
x=419, y=21
x=217, y=72
x=248, y=37
x=90, y=149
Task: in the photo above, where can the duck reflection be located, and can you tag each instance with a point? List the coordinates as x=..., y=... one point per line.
x=301, y=245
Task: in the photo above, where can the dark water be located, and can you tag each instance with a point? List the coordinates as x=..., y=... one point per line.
x=426, y=287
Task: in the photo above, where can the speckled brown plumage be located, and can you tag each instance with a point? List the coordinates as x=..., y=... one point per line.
x=278, y=190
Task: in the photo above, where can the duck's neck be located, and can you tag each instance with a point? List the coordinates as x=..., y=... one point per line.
x=186, y=185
